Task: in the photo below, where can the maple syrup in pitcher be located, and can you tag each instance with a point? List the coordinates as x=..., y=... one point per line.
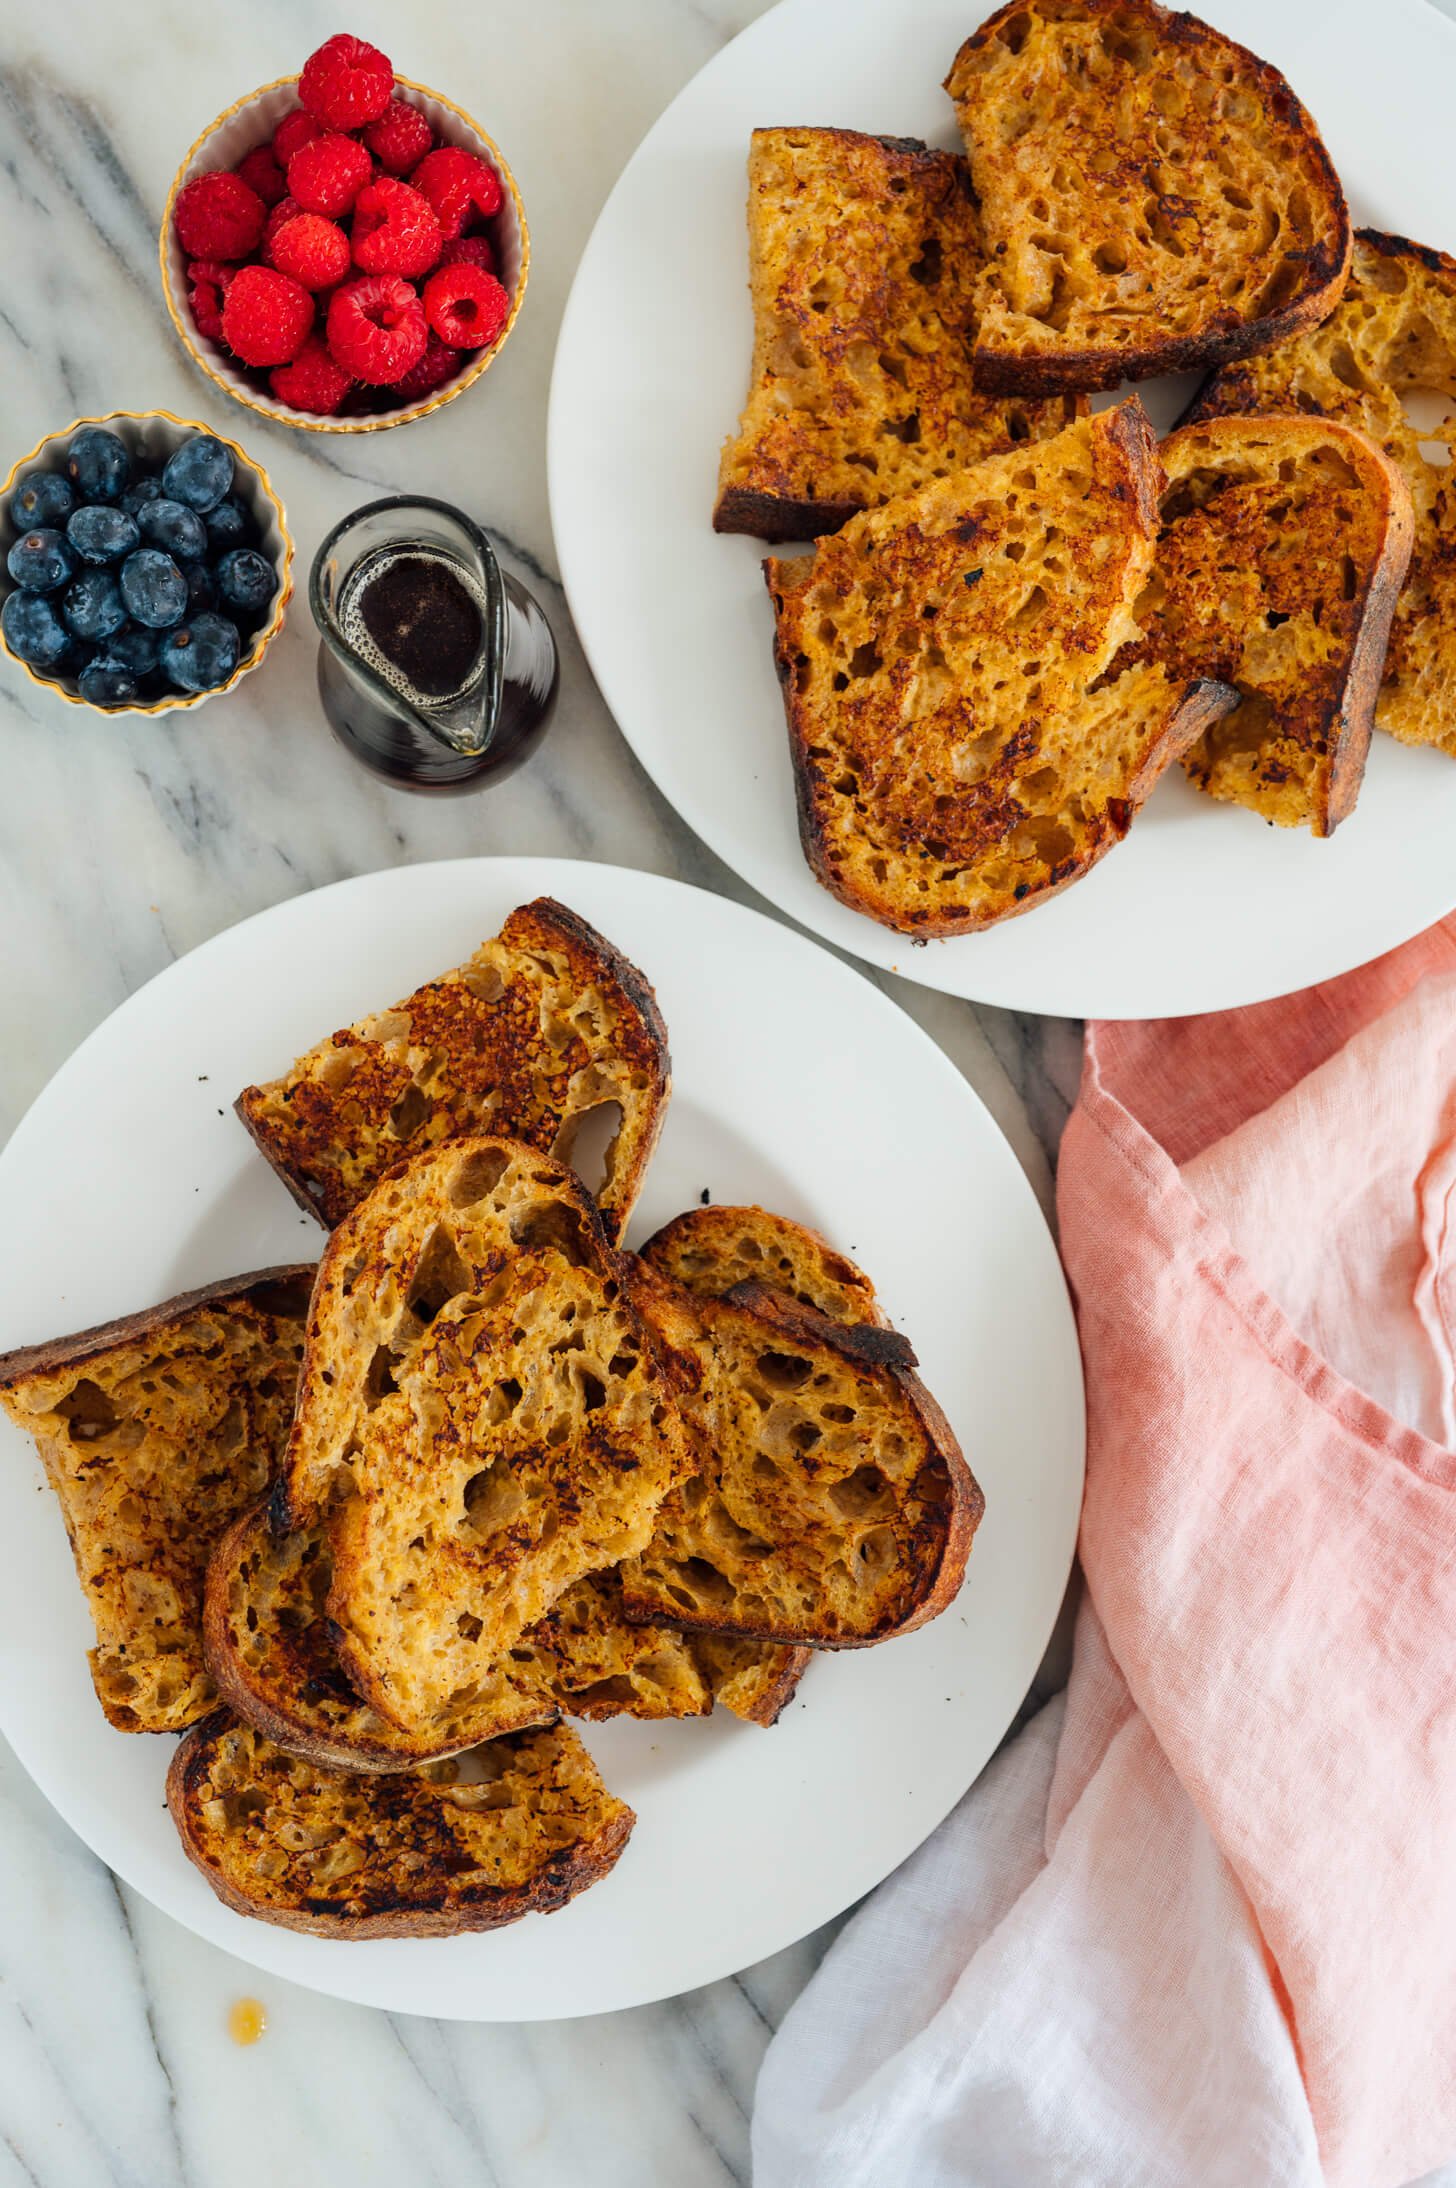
x=436, y=669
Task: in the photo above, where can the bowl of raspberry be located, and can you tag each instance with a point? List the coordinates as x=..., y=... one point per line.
x=145, y=563
x=344, y=250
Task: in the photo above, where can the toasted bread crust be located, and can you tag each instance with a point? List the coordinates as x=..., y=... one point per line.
x=890, y=822
x=930, y=1518
x=456, y=1059
x=713, y=1248
x=1123, y=135
x=154, y=1430
x=862, y=255
x=439, y=1903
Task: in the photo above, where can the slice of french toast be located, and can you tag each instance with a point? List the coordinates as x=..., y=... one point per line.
x=1284, y=546
x=959, y=752
x=1392, y=335
x=520, y=1826
x=547, y=1026
x=270, y=1649
x=863, y=255
x=711, y=1249
x=831, y=1506
x=483, y=1418
x=1153, y=198
x=155, y=1431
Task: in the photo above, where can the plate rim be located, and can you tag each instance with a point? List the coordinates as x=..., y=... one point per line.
x=329, y=1974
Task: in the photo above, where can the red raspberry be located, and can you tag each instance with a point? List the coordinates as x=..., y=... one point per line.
x=313, y=250
x=400, y=138
x=394, y=229
x=285, y=209
x=470, y=251
x=218, y=216
x=312, y=382
x=266, y=317
x=261, y=172
x=208, y=281
x=346, y=83
x=438, y=364
x=457, y=184
x=466, y=308
x=293, y=133
x=377, y=329
x=327, y=175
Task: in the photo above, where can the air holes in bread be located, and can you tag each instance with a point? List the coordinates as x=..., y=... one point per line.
x=586, y=1140
x=477, y=1176
x=783, y=1370
x=548, y=1226
x=409, y=1112
x=88, y=1412
x=439, y=1275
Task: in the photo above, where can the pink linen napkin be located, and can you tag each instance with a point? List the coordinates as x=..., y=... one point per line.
x=1198, y=1923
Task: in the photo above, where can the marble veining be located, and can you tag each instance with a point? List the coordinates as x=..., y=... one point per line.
x=122, y=845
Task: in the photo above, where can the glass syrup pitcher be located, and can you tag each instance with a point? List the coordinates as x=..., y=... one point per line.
x=436, y=669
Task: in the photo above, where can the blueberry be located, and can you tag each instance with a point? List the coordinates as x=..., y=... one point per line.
x=245, y=581
x=140, y=492
x=230, y=525
x=97, y=464
x=200, y=472
x=106, y=682
x=92, y=607
x=34, y=631
x=47, y=498
x=172, y=525
x=202, y=654
x=154, y=589
x=40, y=561
x=135, y=648
x=201, y=591
x=102, y=534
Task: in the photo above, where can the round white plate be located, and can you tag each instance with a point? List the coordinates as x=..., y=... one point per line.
x=798, y=1085
x=1204, y=906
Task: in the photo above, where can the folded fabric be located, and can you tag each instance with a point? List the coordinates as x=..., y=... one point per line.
x=1198, y=1922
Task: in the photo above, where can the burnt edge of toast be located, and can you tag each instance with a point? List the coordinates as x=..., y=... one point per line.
x=1326, y=268
x=62, y=1352
x=559, y=1881
x=578, y=936
x=865, y=1345
x=776, y=1698
x=1348, y=718
x=778, y=518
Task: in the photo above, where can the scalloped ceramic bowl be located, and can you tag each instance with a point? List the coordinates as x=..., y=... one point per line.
x=154, y=434
x=251, y=122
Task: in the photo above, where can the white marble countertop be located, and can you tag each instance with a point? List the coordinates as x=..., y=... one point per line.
x=123, y=845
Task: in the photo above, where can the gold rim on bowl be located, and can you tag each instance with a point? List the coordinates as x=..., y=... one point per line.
x=269, y=406
x=262, y=639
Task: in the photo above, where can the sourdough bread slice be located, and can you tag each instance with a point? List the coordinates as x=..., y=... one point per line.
x=271, y=1651
x=831, y=1507
x=959, y=752
x=711, y=1249
x=155, y=1431
x=545, y=1027
x=863, y=254
x=1153, y=198
x=1392, y=335
x=518, y=1827
x=483, y=1419
x=1285, y=542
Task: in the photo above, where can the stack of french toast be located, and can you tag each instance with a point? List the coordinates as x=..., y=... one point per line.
x=1021, y=610
x=368, y=1534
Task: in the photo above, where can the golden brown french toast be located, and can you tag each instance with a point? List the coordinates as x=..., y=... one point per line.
x=959, y=752
x=1284, y=545
x=711, y=1249
x=156, y=1430
x=1392, y=335
x=1153, y=198
x=831, y=1506
x=863, y=255
x=517, y=1827
x=546, y=1026
x=483, y=1418
x=270, y=1648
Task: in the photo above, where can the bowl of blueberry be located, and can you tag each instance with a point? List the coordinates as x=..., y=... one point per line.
x=344, y=250
x=145, y=563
